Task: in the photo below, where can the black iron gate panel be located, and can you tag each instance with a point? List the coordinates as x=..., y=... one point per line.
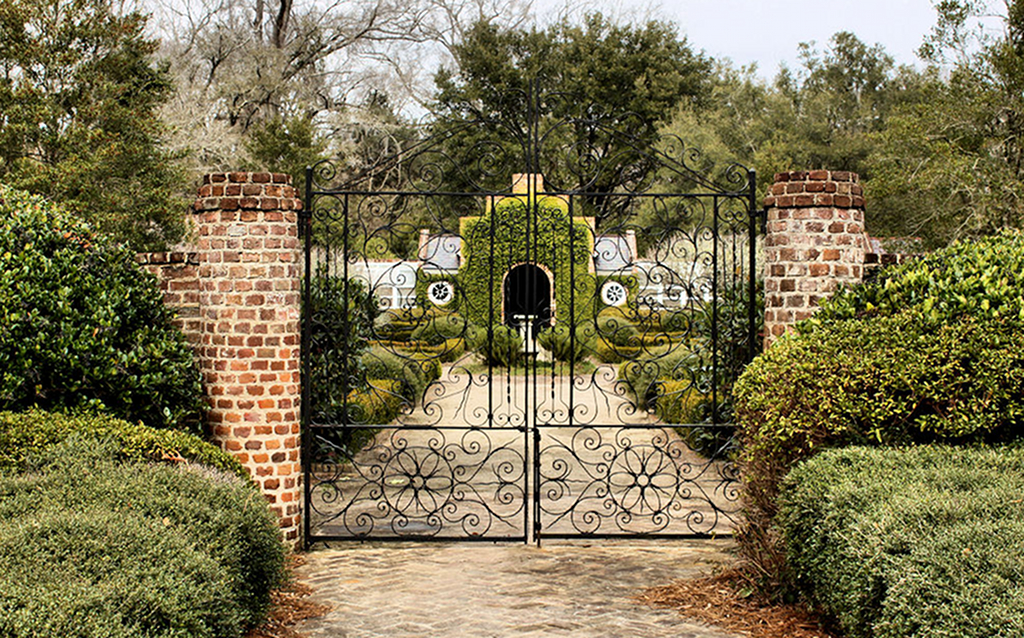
x=512, y=340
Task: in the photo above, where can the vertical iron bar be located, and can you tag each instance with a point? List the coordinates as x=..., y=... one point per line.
x=752, y=214
x=715, y=345
x=306, y=228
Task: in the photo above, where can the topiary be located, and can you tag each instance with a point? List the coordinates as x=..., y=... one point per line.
x=501, y=346
x=435, y=330
x=26, y=435
x=82, y=325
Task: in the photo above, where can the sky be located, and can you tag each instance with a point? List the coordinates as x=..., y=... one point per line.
x=768, y=31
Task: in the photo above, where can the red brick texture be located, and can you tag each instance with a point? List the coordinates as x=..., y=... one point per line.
x=237, y=297
x=249, y=260
x=177, y=274
x=815, y=242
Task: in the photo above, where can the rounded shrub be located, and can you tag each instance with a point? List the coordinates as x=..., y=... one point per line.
x=921, y=541
x=412, y=373
x=501, y=346
x=28, y=435
x=205, y=511
x=435, y=330
x=378, y=404
x=565, y=344
x=82, y=325
x=104, y=573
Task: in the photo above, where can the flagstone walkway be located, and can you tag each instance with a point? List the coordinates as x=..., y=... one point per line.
x=482, y=590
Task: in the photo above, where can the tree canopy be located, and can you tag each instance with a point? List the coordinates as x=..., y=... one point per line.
x=79, y=90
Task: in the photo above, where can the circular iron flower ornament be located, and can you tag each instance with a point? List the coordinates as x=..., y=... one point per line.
x=418, y=481
x=642, y=480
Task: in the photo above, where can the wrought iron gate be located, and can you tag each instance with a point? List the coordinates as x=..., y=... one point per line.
x=526, y=326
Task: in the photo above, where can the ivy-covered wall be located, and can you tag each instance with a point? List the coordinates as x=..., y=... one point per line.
x=509, y=234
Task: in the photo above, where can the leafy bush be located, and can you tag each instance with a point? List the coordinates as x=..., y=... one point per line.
x=676, y=401
x=83, y=326
x=341, y=315
x=413, y=374
x=502, y=346
x=379, y=403
x=226, y=539
x=610, y=353
x=30, y=434
x=645, y=376
x=614, y=327
x=100, y=573
x=925, y=541
x=571, y=346
x=981, y=278
x=435, y=330
x=920, y=356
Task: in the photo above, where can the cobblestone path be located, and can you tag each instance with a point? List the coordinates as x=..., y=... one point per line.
x=495, y=591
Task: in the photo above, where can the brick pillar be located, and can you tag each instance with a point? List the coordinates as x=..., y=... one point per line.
x=249, y=279
x=815, y=242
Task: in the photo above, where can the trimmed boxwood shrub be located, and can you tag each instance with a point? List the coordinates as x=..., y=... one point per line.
x=81, y=492
x=435, y=330
x=81, y=325
x=570, y=346
x=377, y=404
x=502, y=347
x=925, y=541
x=413, y=374
x=494, y=243
x=100, y=573
x=31, y=434
x=645, y=375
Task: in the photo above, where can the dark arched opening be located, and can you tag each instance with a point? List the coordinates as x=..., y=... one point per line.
x=528, y=292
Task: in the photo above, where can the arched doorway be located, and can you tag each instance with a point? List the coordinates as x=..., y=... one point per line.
x=528, y=292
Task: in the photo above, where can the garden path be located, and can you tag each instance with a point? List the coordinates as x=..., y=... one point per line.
x=456, y=590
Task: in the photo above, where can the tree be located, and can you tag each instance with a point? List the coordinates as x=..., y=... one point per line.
x=953, y=164
x=586, y=79
x=79, y=92
x=243, y=65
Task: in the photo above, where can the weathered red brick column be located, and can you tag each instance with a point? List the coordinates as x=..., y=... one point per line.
x=815, y=242
x=248, y=256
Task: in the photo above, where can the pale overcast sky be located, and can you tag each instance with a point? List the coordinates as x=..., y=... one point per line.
x=767, y=32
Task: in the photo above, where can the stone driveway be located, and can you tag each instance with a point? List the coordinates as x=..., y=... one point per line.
x=482, y=590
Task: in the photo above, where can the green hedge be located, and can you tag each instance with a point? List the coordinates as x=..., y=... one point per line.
x=26, y=435
x=900, y=543
x=981, y=278
x=563, y=245
x=435, y=330
x=133, y=549
x=81, y=325
x=502, y=347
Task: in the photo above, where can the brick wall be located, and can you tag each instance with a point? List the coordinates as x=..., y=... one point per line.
x=815, y=242
x=177, y=275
